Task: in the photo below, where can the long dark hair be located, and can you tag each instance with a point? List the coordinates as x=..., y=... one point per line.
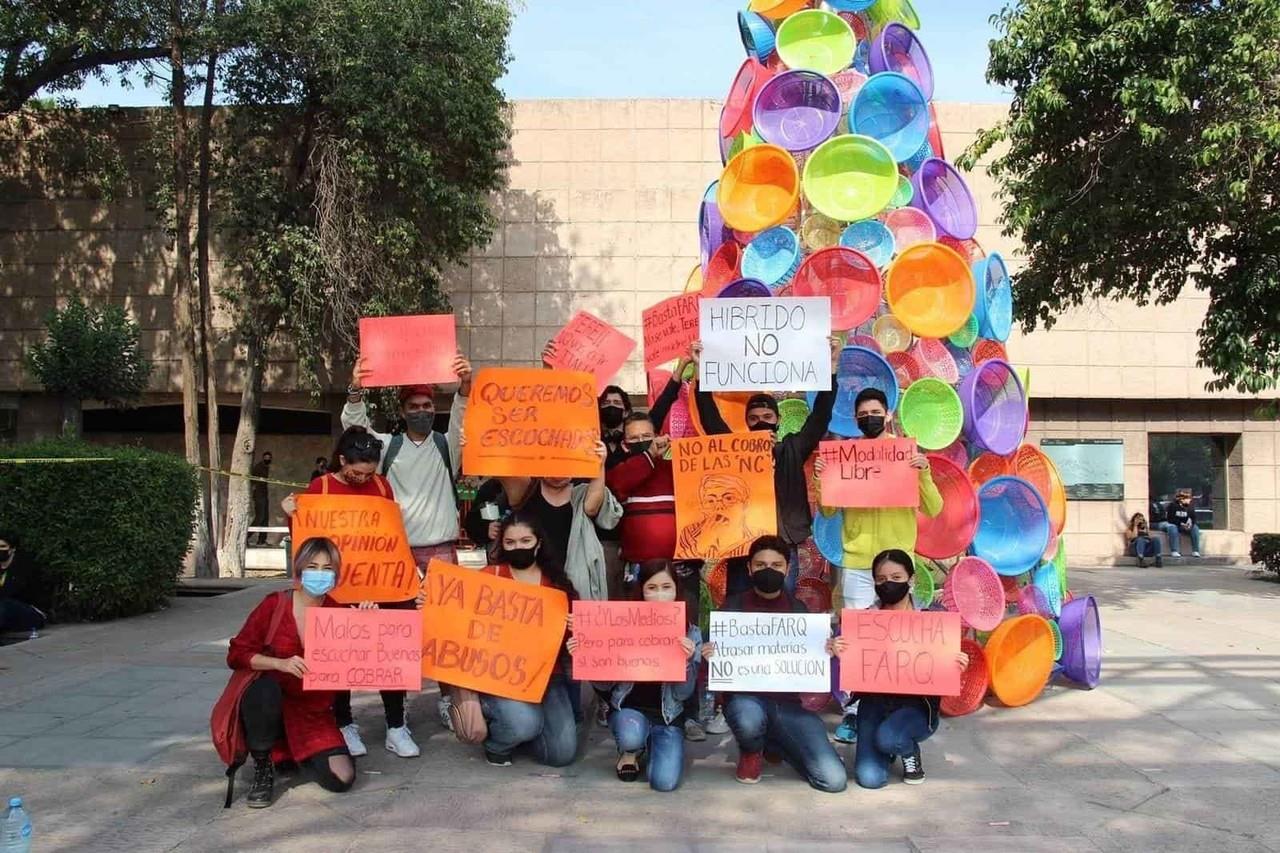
x=356, y=444
x=549, y=558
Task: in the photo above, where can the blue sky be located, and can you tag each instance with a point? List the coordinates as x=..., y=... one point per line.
x=674, y=49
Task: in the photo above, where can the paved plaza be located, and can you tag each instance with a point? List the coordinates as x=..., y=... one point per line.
x=104, y=731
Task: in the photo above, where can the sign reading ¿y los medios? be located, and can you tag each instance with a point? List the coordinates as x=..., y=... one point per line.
x=765, y=344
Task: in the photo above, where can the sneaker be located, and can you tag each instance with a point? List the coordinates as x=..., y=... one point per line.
x=442, y=708
x=717, y=725
x=355, y=746
x=847, y=731
x=400, y=741
x=1142, y=562
x=1195, y=553
x=602, y=714
x=497, y=759
x=1159, y=562
x=749, y=766
x=913, y=768
x=693, y=730
x=1175, y=554
x=264, y=784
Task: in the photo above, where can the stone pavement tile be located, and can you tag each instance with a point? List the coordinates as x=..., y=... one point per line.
x=53, y=750
x=1246, y=813
x=445, y=839
x=65, y=704
x=25, y=723
x=298, y=828
x=1001, y=844
x=1135, y=832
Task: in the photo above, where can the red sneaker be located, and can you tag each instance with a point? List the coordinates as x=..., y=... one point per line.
x=749, y=766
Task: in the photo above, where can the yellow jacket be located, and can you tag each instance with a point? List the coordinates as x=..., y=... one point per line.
x=867, y=532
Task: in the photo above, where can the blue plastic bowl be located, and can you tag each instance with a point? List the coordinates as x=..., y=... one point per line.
x=828, y=535
x=758, y=39
x=994, y=305
x=859, y=368
x=851, y=5
x=772, y=257
x=1013, y=525
x=745, y=288
x=871, y=237
x=892, y=110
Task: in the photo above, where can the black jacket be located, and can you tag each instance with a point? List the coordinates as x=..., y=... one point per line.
x=1178, y=514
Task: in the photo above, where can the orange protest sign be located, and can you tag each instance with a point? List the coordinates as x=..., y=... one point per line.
x=669, y=328
x=589, y=343
x=525, y=422
x=724, y=494
x=900, y=651
x=377, y=564
x=870, y=473
x=408, y=350
x=490, y=634
x=363, y=649
x=629, y=640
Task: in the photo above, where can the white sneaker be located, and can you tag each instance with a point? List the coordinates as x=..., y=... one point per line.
x=1175, y=554
x=400, y=741
x=355, y=746
x=442, y=708
x=1195, y=553
x=717, y=725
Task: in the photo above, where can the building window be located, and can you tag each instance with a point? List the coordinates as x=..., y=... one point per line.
x=1195, y=462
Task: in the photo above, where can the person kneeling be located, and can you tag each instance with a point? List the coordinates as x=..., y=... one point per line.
x=776, y=721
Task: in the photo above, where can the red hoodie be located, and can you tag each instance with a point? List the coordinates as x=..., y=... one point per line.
x=646, y=488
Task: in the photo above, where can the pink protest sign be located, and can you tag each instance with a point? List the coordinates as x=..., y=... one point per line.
x=408, y=350
x=589, y=343
x=869, y=473
x=629, y=640
x=900, y=651
x=669, y=328
x=363, y=649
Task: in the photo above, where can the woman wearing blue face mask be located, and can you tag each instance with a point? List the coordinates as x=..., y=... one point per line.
x=283, y=724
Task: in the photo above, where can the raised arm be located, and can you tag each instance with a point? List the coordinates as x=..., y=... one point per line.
x=662, y=406
x=708, y=412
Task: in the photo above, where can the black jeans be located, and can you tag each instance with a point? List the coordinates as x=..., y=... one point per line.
x=16, y=616
x=262, y=713
x=392, y=700
x=261, y=515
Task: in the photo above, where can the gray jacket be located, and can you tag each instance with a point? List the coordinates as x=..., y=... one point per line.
x=584, y=562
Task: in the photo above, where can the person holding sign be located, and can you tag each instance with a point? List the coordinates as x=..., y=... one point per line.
x=282, y=722
x=646, y=717
x=776, y=721
x=548, y=727
x=892, y=726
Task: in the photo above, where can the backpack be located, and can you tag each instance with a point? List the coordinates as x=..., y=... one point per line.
x=442, y=445
x=224, y=723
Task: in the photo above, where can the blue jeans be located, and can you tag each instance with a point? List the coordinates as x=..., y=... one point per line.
x=547, y=727
x=1145, y=546
x=884, y=734
x=633, y=732
x=1175, y=541
x=758, y=721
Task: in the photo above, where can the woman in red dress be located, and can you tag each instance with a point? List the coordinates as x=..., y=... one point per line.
x=282, y=722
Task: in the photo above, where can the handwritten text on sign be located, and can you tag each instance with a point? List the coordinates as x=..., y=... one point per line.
x=408, y=350
x=524, y=422
x=589, y=343
x=724, y=494
x=377, y=564
x=870, y=473
x=363, y=649
x=490, y=634
x=629, y=640
x=765, y=344
x=900, y=651
x=770, y=652
x=669, y=328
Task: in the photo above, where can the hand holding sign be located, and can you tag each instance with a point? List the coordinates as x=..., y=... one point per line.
x=900, y=651
x=377, y=564
x=629, y=641
x=366, y=649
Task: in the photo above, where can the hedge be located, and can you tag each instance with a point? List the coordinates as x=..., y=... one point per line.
x=106, y=538
x=1265, y=549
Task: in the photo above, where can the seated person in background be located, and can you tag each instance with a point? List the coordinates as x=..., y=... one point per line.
x=17, y=586
x=1141, y=543
x=1180, y=518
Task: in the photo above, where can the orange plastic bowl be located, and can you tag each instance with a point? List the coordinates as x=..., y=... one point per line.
x=1036, y=468
x=759, y=189
x=930, y=288
x=1020, y=655
x=985, y=349
x=777, y=9
x=988, y=466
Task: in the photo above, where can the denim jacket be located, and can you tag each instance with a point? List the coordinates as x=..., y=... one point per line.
x=673, y=692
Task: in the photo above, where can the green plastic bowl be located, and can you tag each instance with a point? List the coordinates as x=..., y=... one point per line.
x=850, y=177
x=887, y=11
x=964, y=336
x=925, y=586
x=930, y=412
x=903, y=194
x=816, y=40
x=792, y=415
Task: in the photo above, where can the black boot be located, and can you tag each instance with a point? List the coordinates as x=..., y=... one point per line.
x=264, y=782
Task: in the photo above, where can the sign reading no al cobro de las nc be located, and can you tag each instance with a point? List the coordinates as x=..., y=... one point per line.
x=1092, y=469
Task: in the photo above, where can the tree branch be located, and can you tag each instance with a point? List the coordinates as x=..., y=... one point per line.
x=18, y=90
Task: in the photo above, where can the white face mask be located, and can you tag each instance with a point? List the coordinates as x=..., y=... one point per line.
x=660, y=595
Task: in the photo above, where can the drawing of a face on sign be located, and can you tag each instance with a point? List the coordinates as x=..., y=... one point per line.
x=723, y=529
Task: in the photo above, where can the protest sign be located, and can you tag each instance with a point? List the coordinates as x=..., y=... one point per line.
x=629, y=640
x=589, y=343
x=724, y=494
x=532, y=423
x=870, y=473
x=363, y=649
x=765, y=344
x=669, y=328
x=493, y=635
x=770, y=652
x=377, y=564
x=408, y=350
x=657, y=380
x=900, y=651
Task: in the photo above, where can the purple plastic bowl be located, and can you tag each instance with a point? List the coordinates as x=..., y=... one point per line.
x=995, y=407
x=745, y=288
x=797, y=110
x=897, y=48
x=942, y=193
x=711, y=228
x=1081, y=641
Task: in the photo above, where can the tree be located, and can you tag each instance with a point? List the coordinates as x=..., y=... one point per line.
x=1143, y=157
x=90, y=354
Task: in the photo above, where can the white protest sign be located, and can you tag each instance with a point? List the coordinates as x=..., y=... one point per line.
x=770, y=652
x=765, y=344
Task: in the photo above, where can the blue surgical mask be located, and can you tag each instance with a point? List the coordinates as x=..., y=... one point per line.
x=318, y=582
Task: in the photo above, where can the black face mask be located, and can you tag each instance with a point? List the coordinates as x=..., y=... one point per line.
x=891, y=592
x=611, y=416
x=762, y=426
x=767, y=580
x=871, y=425
x=522, y=558
x=637, y=447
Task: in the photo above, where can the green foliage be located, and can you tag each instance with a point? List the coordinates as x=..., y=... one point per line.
x=107, y=538
x=91, y=353
x=1265, y=549
x=1141, y=156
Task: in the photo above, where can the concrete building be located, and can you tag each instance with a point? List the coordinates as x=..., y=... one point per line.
x=601, y=215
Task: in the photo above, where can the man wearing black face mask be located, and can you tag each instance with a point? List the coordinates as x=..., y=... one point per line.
x=614, y=405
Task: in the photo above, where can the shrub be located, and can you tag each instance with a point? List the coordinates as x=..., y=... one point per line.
x=108, y=538
x=1265, y=549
